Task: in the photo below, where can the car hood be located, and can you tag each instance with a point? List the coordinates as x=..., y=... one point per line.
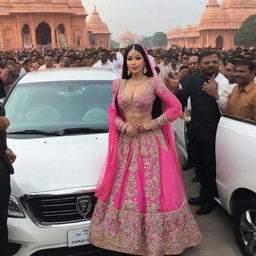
x=56, y=163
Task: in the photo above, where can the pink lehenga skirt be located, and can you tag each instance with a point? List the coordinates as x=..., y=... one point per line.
x=147, y=212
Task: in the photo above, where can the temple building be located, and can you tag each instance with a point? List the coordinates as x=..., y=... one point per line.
x=52, y=23
x=128, y=38
x=99, y=34
x=217, y=26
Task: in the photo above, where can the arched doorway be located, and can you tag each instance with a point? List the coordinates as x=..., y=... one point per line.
x=43, y=34
x=26, y=36
x=61, y=39
x=219, y=42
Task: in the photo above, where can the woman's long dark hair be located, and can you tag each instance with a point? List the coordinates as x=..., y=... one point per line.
x=138, y=48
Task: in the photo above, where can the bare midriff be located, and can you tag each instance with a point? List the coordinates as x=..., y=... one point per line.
x=134, y=118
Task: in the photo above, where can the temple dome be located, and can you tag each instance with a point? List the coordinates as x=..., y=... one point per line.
x=127, y=35
x=96, y=25
x=214, y=17
x=217, y=26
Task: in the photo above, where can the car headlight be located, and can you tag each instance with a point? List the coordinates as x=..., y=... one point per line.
x=14, y=209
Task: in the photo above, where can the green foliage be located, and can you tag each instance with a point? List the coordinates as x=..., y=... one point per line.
x=147, y=41
x=246, y=35
x=114, y=44
x=157, y=40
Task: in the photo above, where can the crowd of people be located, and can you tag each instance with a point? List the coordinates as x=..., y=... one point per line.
x=174, y=67
x=206, y=83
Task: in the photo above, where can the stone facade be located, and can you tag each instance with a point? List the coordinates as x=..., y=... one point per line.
x=53, y=23
x=99, y=34
x=217, y=26
x=33, y=23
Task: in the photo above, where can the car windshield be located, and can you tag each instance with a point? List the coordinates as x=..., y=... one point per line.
x=59, y=107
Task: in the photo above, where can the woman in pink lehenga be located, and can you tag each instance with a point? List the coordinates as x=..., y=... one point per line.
x=142, y=208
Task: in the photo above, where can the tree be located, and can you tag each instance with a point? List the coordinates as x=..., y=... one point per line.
x=147, y=42
x=246, y=35
x=159, y=39
x=114, y=44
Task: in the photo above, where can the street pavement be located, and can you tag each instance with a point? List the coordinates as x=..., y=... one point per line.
x=218, y=238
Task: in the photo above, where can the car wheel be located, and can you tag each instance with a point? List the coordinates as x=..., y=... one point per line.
x=245, y=225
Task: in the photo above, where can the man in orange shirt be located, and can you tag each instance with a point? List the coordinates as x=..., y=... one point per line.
x=242, y=100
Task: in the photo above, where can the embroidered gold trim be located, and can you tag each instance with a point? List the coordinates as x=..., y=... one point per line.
x=144, y=234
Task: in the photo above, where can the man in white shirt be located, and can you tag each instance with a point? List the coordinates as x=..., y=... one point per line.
x=104, y=62
x=174, y=60
x=227, y=90
x=120, y=61
x=165, y=68
x=22, y=72
x=49, y=62
x=152, y=60
x=120, y=58
x=113, y=59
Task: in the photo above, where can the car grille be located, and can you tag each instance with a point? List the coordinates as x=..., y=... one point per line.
x=73, y=251
x=57, y=209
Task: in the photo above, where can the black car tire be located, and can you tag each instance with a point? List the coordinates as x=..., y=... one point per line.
x=241, y=207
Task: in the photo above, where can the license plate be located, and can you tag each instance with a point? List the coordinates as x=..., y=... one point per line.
x=78, y=237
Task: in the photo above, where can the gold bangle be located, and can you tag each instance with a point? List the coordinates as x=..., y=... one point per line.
x=124, y=127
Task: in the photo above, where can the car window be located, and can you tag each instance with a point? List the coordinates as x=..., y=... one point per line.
x=54, y=106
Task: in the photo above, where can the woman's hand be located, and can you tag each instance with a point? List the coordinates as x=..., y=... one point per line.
x=144, y=126
x=172, y=85
x=130, y=130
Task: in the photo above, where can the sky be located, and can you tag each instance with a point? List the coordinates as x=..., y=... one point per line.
x=145, y=17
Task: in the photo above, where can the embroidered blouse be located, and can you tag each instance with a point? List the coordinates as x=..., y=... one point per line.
x=144, y=103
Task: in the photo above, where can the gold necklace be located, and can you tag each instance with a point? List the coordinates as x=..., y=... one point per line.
x=138, y=82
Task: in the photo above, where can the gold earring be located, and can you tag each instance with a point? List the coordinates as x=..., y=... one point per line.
x=129, y=72
x=145, y=70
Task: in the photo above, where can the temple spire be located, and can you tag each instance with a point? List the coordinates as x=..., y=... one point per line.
x=212, y=3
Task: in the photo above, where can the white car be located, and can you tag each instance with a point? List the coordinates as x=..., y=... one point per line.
x=59, y=130
x=236, y=175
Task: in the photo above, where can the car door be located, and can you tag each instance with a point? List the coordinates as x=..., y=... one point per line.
x=236, y=177
x=180, y=131
x=235, y=157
